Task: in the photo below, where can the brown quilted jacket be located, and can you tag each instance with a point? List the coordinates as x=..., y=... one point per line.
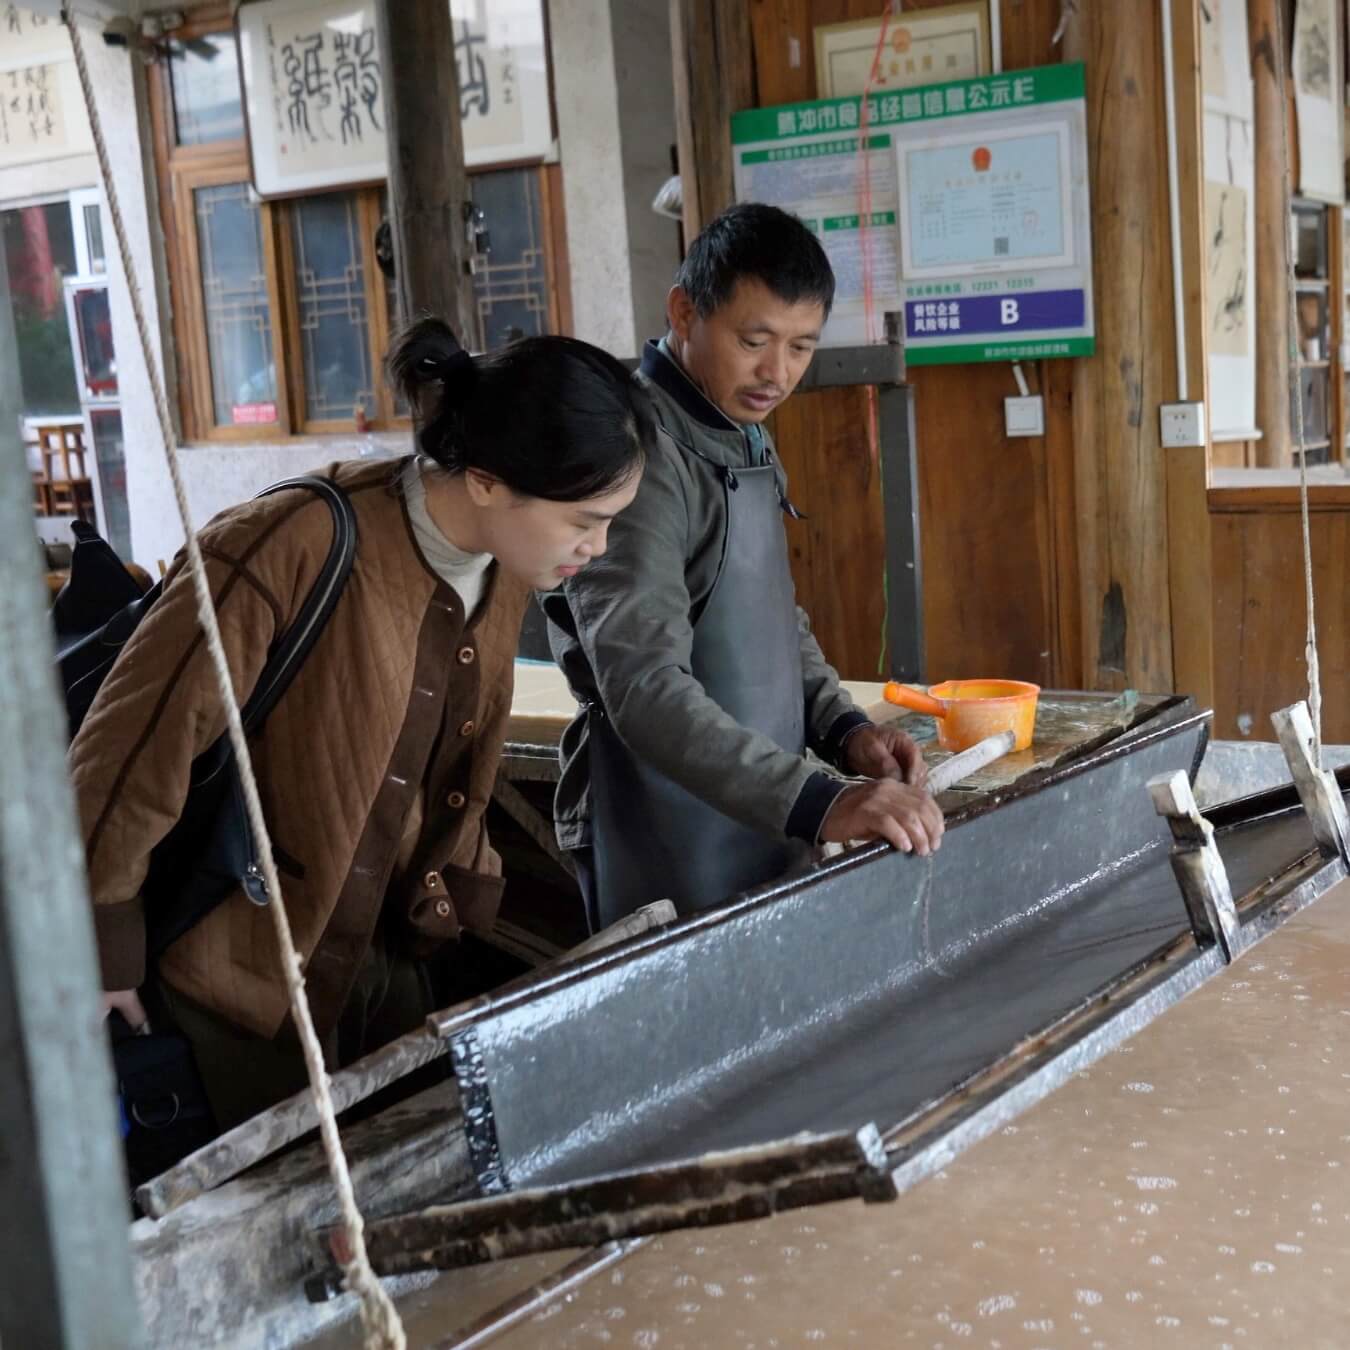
x=375, y=768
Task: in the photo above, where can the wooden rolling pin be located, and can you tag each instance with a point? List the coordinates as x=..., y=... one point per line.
x=980, y=756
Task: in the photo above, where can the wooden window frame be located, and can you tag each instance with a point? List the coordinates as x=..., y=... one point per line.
x=181, y=170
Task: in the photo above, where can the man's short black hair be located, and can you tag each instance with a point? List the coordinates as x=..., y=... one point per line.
x=754, y=240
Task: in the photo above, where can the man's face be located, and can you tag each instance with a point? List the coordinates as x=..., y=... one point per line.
x=748, y=354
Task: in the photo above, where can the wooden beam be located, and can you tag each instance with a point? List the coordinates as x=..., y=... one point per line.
x=1196, y=863
x=1318, y=790
x=714, y=77
x=1120, y=471
x=1190, y=574
x=1270, y=112
x=428, y=183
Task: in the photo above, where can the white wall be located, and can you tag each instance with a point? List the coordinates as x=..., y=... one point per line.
x=118, y=94
x=614, y=95
x=49, y=178
x=646, y=93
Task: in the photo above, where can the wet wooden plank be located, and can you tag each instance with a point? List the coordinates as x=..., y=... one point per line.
x=1067, y=724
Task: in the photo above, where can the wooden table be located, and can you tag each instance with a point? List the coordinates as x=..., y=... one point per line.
x=1067, y=723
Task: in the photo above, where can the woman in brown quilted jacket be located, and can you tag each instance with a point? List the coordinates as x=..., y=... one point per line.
x=376, y=766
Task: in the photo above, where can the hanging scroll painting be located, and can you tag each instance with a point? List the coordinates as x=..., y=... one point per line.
x=1319, y=101
x=42, y=112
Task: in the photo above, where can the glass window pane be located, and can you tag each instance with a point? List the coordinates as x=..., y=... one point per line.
x=204, y=73
x=1314, y=325
x=93, y=233
x=1314, y=385
x=234, y=297
x=1310, y=241
x=106, y=424
x=512, y=288
x=39, y=252
x=330, y=283
x=93, y=326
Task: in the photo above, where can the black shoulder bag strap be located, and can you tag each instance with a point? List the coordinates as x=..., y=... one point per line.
x=296, y=642
x=211, y=850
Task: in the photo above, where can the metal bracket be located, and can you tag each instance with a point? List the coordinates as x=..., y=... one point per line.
x=1198, y=867
x=879, y=363
x=1317, y=788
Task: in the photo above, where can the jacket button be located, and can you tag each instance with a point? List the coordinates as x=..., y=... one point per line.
x=466, y=729
x=456, y=800
x=432, y=880
x=443, y=909
x=466, y=655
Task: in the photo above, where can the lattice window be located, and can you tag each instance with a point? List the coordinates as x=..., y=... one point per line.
x=282, y=314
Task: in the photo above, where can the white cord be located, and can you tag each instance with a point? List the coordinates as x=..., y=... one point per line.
x=383, y=1329
x=1174, y=205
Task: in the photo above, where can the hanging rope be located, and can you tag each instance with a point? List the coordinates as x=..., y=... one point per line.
x=1310, y=641
x=383, y=1329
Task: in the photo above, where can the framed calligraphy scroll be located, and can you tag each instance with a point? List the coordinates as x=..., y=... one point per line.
x=42, y=114
x=502, y=64
x=313, y=94
x=314, y=90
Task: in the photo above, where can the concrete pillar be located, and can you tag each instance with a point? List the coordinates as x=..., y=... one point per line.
x=613, y=93
x=120, y=99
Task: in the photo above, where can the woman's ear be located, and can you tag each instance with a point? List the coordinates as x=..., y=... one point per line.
x=484, y=489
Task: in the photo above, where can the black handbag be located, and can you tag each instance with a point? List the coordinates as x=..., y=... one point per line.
x=165, y=1111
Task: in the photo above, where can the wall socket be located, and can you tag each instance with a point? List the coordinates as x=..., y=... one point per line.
x=1024, y=416
x=1183, y=424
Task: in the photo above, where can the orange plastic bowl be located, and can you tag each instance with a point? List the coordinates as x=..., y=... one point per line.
x=967, y=711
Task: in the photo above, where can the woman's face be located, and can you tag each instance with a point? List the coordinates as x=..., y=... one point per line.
x=544, y=542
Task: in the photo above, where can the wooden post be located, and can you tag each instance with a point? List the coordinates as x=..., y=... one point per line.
x=1190, y=565
x=1270, y=67
x=65, y=1266
x=714, y=77
x=428, y=184
x=1317, y=789
x=1198, y=867
x=1120, y=467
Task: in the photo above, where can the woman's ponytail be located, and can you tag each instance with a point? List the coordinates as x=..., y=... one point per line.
x=435, y=376
x=549, y=416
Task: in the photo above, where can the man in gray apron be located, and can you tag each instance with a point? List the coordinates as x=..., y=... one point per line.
x=684, y=775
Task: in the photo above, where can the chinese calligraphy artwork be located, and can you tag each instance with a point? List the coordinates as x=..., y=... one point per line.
x=921, y=47
x=314, y=94
x=314, y=89
x=1227, y=291
x=42, y=112
x=503, y=80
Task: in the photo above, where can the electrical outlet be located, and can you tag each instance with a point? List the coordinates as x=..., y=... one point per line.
x=1024, y=416
x=1183, y=424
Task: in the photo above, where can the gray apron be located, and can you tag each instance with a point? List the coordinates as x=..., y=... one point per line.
x=653, y=840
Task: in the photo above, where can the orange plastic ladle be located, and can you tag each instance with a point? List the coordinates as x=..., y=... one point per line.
x=967, y=711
